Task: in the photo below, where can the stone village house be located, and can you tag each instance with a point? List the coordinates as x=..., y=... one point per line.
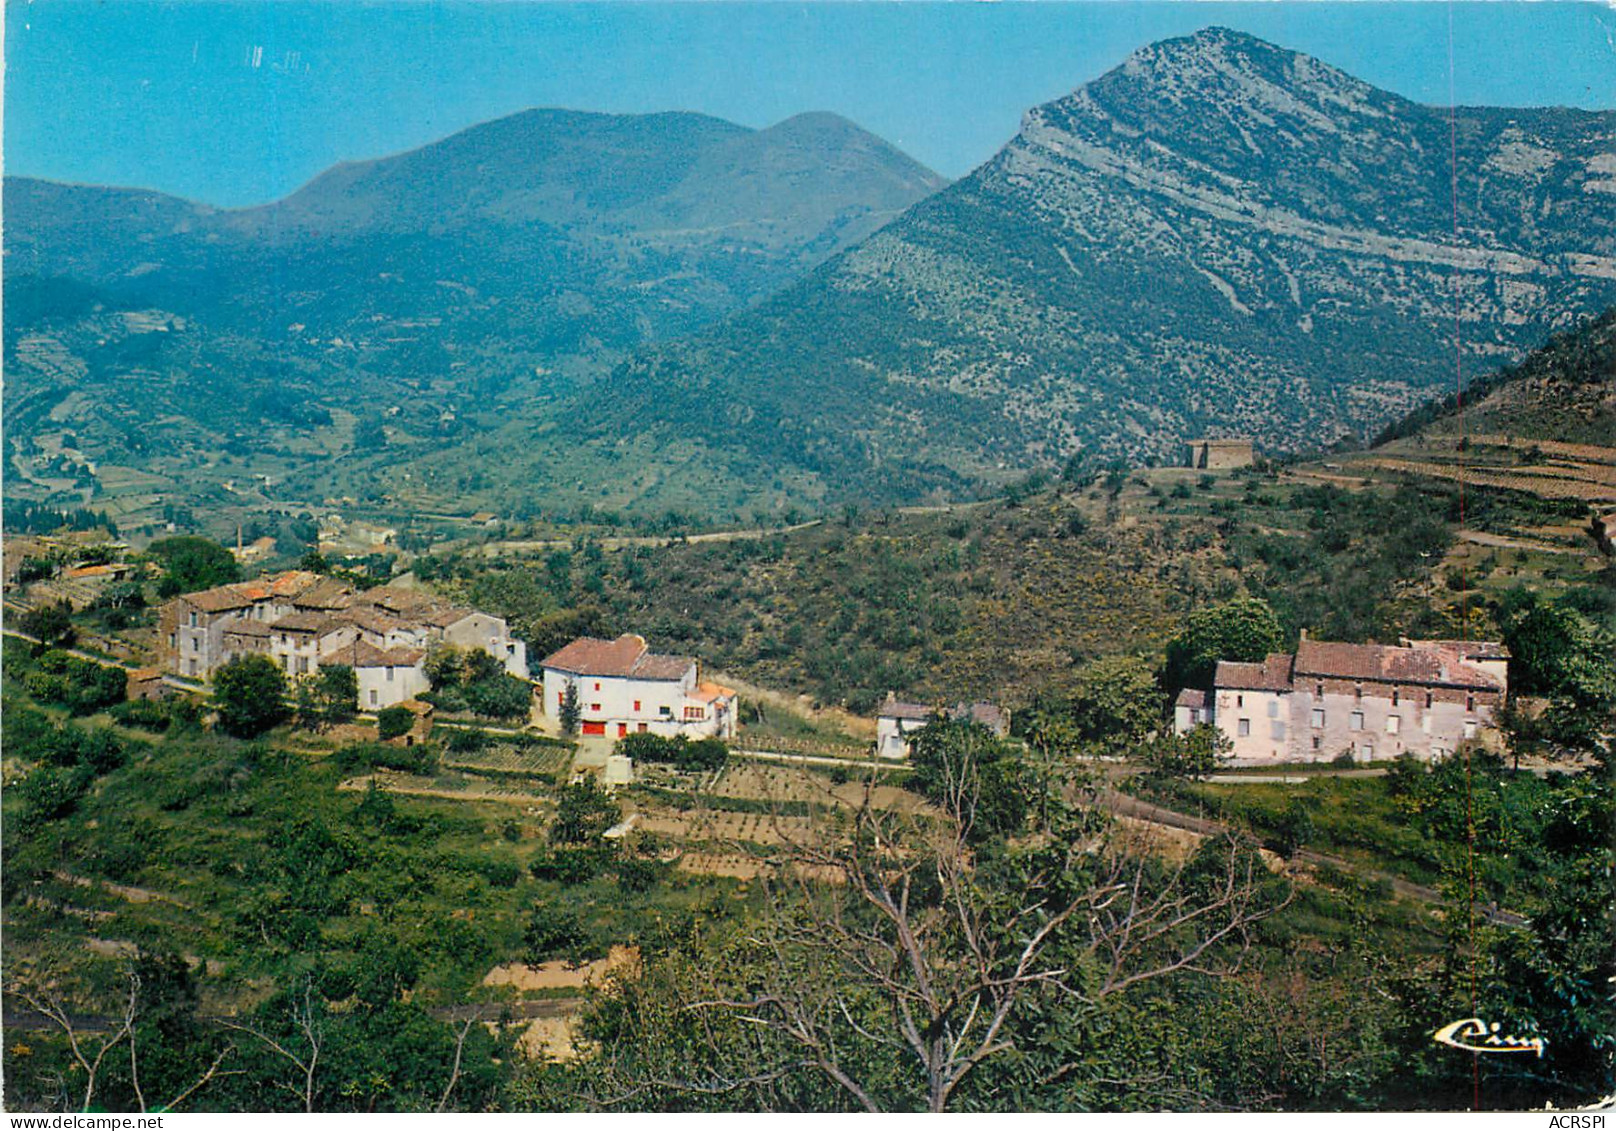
x=1372, y=701
x=895, y=721
x=302, y=621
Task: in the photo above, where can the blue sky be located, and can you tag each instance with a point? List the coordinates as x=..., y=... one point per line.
x=236, y=103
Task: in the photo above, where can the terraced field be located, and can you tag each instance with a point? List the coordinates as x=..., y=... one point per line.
x=1544, y=468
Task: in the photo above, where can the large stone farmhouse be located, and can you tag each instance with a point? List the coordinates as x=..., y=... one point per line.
x=302, y=621
x=623, y=686
x=1372, y=701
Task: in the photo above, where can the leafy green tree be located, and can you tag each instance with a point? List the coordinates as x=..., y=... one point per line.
x=1117, y=700
x=51, y=625
x=1193, y=754
x=1559, y=653
x=391, y=722
x=557, y=931
x=444, y=666
x=584, y=814
x=1244, y=629
x=571, y=711
x=249, y=694
x=962, y=765
x=499, y=696
x=328, y=697
x=191, y=563
x=51, y=792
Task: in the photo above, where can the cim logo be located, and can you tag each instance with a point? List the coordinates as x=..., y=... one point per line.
x=1475, y=1035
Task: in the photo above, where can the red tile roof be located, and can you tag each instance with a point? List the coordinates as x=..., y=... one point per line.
x=363, y=655
x=625, y=656
x=1466, y=649
x=1273, y=674
x=892, y=709
x=219, y=600
x=308, y=621
x=246, y=626
x=1192, y=698
x=1436, y=667
x=712, y=692
x=327, y=593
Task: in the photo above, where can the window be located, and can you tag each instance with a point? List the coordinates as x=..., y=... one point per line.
x=1355, y=721
x=1396, y=697
x=665, y=712
x=1243, y=728
x=1357, y=691
x=1429, y=699
x=1239, y=700
x=636, y=705
x=372, y=696
x=196, y=644
x=193, y=620
x=1317, y=742
x=193, y=666
x=171, y=640
x=695, y=713
x=561, y=699
x=642, y=728
x=1470, y=702
x=1470, y=728
x=594, y=706
x=1318, y=717
x=597, y=686
x=1366, y=751
x=1394, y=723
x=1318, y=690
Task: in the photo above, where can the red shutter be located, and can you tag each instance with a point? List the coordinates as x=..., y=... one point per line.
x=595, y=728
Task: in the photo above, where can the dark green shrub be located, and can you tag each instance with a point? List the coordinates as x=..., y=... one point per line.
x=391, y=722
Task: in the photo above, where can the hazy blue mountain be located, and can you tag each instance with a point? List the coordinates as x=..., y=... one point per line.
x=455, y=288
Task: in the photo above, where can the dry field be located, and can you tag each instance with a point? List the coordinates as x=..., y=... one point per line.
x=444, y=787
x=560, y=975
x=770, y=782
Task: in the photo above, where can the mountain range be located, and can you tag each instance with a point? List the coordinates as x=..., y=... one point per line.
x=1217, y=237
x=668, y=311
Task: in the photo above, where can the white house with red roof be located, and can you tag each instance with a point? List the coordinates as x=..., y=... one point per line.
x=624, y=687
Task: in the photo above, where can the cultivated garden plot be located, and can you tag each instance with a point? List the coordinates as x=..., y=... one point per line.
x=543, y=762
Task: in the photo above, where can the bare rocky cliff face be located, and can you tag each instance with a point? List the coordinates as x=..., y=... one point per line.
x=1219, y=235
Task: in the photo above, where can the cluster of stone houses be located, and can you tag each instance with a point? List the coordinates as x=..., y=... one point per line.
x=624, y=687
x=302, y=621
x=1371, y=701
